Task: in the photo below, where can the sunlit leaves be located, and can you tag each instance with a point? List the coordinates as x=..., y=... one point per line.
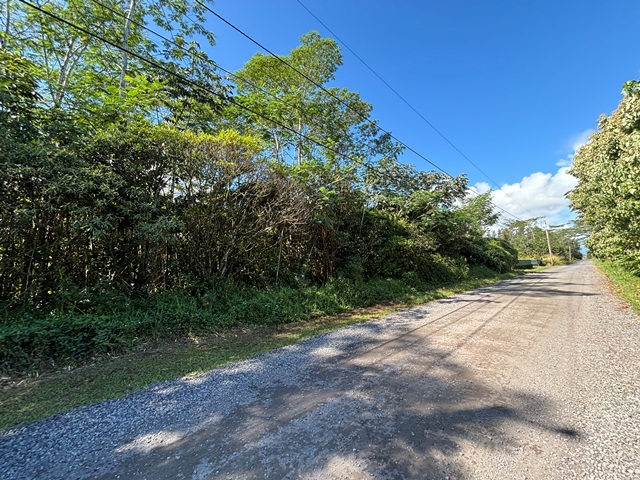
x=607, y=197
x=94, y=52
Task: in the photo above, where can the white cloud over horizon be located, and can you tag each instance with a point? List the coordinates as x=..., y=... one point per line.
x=540, y=194
x=536, y=195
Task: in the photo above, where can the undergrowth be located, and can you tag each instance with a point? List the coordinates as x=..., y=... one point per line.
x=30, y=341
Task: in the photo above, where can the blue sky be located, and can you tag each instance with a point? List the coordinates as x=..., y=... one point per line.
x=516, y=86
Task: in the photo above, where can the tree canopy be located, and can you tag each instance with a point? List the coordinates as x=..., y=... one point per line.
x=530, y=240
x=607, y=197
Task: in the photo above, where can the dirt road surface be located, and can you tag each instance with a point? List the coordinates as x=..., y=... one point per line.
x=536, y=377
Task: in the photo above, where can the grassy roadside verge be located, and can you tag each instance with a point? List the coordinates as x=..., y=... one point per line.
x=28, y=398
x=624, y=283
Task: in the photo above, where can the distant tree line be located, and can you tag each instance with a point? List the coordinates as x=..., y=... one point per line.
x=533, y=242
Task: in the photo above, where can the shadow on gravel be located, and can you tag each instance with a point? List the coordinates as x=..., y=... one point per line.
x=467, y=300
x=543, y=284
x=549, y=290
x=335, y=410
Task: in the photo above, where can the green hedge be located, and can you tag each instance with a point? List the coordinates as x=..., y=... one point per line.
x=29, y=340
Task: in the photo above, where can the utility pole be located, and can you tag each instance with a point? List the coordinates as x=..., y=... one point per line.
x=546, y=230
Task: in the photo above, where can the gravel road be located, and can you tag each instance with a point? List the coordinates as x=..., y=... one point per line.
x=536, y=377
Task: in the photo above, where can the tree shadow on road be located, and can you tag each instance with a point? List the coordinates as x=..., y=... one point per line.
x=344, y=412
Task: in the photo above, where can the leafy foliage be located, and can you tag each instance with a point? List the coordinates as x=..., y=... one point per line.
x=607, y=197
x=82, y=73
x=122, y=184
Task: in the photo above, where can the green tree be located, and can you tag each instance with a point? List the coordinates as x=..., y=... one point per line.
x=86, y=75
x=530, y=240
x=117, y=176
x=37, y=171
x=607, y=197
x=311, y=115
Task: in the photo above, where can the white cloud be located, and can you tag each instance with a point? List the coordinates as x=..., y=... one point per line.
x=565, y=162
x=481, y=187
x=540, y=194
x=536, y=195
x=574, y=144
x=580, y=139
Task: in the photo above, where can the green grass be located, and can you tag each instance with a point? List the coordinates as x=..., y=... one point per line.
x=624, y=283
x=24, y=398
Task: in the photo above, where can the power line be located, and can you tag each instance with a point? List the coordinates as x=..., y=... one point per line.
x=208, y=60
x=406, y=102
x=201, y=56
x=189, y=52
x=269, y=93
x=342, y=101
x=321, y=87
x=390, y=87
x=207, y=89
x=202, y=87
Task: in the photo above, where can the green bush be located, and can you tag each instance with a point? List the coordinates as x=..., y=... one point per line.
x=33, y=339
x=495, y=253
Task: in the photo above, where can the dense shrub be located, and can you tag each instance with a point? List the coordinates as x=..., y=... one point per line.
x=33, y=341
x=496, y=254
x=607, y=197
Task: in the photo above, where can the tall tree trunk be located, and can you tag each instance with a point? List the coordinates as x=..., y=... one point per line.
x=300, y=141
x=7, y=27
x=279, y=255
x=275, y=137
x=125, y=44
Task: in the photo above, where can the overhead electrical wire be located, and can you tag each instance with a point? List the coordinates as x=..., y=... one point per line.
x=190, y=53
x=205, y=58
x=406, y=102
x=223, y=97
x=235, y=76
x=321, y=87
x=196, y=84
x=202, y=87
x=332, y=95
